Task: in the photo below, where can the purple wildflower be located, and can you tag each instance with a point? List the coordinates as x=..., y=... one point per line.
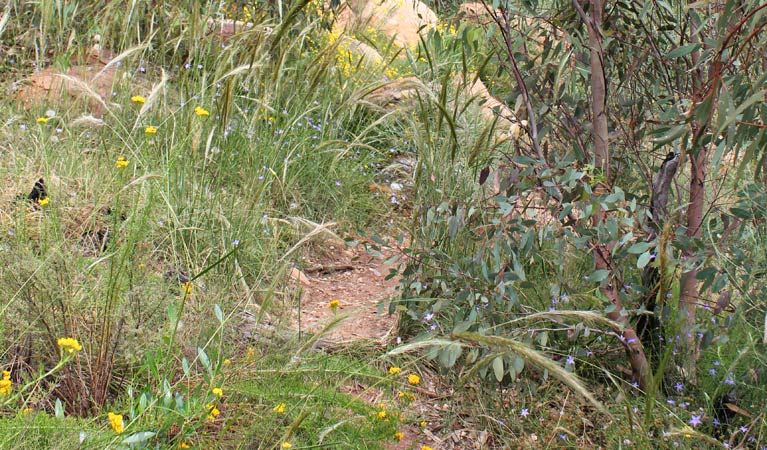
x=695, y=421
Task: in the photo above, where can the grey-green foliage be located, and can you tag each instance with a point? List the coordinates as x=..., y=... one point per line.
x=472, y=255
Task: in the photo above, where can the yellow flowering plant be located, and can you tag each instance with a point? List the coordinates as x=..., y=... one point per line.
x=213, y=412
x=138, y=99
x=201, y=112
x=187, y=288
x=69, y=345
x=116, y=421
x=6, y=385
x=150, y=130
x=121, y=162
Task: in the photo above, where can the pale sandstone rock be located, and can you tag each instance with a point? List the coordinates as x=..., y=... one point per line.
x=401, y=20
x=402, y=92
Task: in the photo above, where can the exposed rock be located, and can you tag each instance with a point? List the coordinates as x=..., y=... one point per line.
x=398, y=19
x=299, y=276
x=489, y=106
x=474, y=12
x=227, y=28
x=371, y=59
x=402, y=92
x=92, y=82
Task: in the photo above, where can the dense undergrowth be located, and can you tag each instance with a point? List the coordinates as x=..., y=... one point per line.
x=163, y=233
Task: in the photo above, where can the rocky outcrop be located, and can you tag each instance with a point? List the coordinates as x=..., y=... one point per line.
x=398, y=93
x=401, y=20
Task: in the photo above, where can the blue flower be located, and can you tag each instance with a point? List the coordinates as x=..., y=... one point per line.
x=695, y=421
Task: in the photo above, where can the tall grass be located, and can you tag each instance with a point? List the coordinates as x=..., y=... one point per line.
x=162, y=267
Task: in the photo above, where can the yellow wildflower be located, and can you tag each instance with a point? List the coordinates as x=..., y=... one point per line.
x=279, y=409
x=138, y=99
x=286, y=445
x=201, y=112
x=43, y=201
x=121, y=162
x=394, y=370
x=381, y=414
x=426, y=447
x=116, y=420
x=6, y=385
x=218, y=392
x=227, y=361
x=213, y=412
x=423, y=424
x=413, y=379
x=69, y=345
x=399, y=435
x=42, y=120
x=334, y=304
x=183, y=444
x=251, y=353
x=150, y=130
x=26, y=411
x=187, y=288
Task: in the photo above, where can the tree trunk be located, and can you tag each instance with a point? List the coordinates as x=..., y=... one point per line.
x=602, y=260
x=689, y=292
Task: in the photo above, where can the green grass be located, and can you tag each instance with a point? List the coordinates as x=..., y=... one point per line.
x=224, y=200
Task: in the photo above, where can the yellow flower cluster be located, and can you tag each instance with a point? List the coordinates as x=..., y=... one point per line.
x=138, y=99
x=121, y=162
x=6, y=385
x=116, y=420
x=201, y=112
x=399, y=435
x=213, y=412
x=382, y=414
x=231, y=12
x=279, y=409
x=69, y=345
x=394, y=370
x=286, y=445
x=218, y=392
x=187, y=288
x=42, y=120
x=413, y=379
x=334, y=304
x=450, y=28
x=43, y=201
x=183, y=444
x=150, y=130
